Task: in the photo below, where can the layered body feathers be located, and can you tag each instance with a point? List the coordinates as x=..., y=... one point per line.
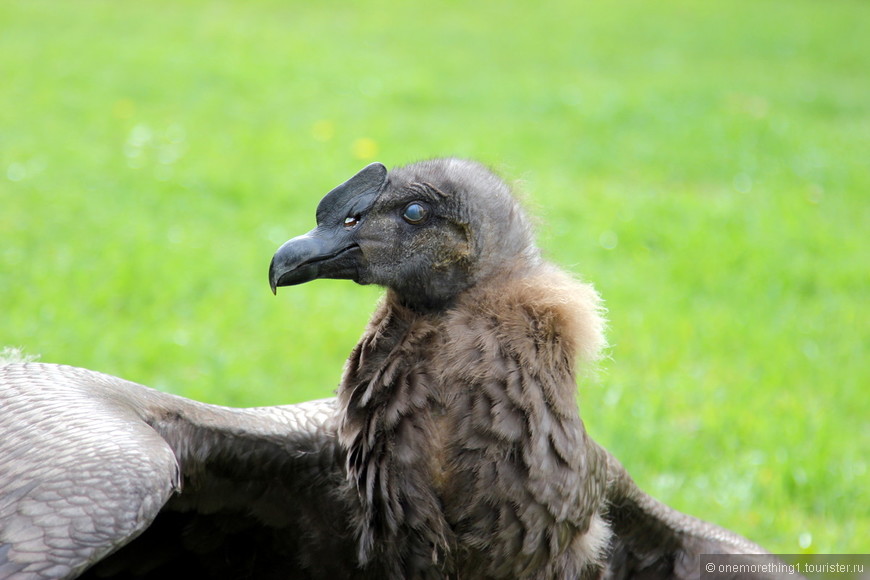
x=464, y=441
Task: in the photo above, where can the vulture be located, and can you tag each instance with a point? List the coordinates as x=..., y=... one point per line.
x=453, y=449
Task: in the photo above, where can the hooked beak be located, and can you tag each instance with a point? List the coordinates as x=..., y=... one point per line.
x=331, y=250
x=321, y=253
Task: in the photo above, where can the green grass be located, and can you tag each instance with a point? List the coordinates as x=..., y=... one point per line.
x=704, y=164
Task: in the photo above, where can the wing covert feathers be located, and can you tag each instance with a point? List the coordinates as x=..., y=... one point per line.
x=87, y=461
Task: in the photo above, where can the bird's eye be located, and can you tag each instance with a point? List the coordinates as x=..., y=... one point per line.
x=351, y=221
x=415, y=213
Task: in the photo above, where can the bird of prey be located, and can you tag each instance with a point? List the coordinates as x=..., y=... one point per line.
x=453, y=449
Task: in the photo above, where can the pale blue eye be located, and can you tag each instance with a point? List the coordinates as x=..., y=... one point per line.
x=415, y=213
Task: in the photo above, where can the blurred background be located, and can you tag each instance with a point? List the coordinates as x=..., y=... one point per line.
x=705, y=164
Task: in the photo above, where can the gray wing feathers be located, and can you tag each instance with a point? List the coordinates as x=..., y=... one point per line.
x=79, y=474
x=88, y=460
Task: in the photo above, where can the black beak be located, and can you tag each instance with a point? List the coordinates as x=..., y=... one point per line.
x=331, y=250
x=321, y=253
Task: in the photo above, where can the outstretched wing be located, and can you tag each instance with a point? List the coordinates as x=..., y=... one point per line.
x=89, y=461
x=654, y=541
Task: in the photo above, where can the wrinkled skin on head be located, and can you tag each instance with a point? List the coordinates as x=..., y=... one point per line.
x=427, y=231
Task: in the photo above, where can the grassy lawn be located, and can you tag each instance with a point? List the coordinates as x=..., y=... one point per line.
x=706, y=165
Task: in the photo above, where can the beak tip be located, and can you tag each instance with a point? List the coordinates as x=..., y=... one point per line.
x=273, y=283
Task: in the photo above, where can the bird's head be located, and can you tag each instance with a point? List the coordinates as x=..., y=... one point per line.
x=427, y=231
